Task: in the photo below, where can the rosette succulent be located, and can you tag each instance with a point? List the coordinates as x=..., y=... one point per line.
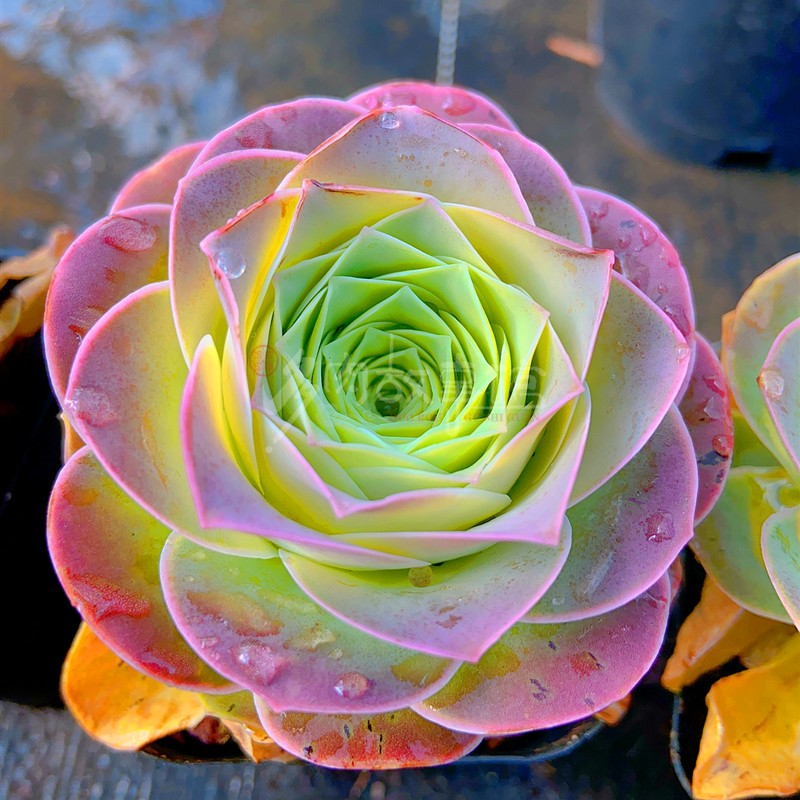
x=380, y=428
x=749, y=544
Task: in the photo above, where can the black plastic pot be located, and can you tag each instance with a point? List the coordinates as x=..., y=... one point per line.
x=711, y=81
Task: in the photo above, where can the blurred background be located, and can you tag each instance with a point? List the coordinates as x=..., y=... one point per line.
x=687, y=109
x=92, y=90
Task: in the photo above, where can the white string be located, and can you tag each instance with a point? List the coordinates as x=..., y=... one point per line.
x=448, y=42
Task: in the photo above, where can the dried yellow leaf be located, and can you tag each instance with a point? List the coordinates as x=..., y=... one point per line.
x=751, y=740
x=117, y=704
x=613, y=714
x=22, y=312
x=716, y=631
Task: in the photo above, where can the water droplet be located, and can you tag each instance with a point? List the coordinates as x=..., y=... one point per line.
x=420, y=576
x=207, y=642
x=659, y=527
x=458, y=103
x=714, y=407
x=723, y=445
x=309, y=640
x=683, y=351
x=388, y=120
x=772, y=383
x=254, y=134
x=230, y=262
x=92, y=407
x=258, y=660
x=127, y=234
x=460, y=152
x=351, y=685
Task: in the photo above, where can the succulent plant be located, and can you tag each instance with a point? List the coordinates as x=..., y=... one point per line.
x=380, y=428
x=750, y=547
x=750, y=542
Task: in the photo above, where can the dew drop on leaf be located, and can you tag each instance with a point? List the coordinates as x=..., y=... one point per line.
x=127, y=234
x=771, y=382
x=230, y=262
x=351, y=685
x=388, y=120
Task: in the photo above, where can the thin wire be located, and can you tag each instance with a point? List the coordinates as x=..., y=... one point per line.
x=448, y=42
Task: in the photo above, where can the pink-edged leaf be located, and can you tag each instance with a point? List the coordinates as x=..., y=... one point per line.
x=644, y=255
x=706, y=410
x=569, y=280
x=158, y=182
x=106, y=551
x=539, y=676
x=410, y=149
x=223, y=495
x=394, y=740
x=123, y=399
x=779, y=381
x=545, y=186
x=108, y=261
x=780, y=544
x=299, y=126
x=249, y=619
x=626, y=534
x=639, y=363
x=456, y=609
x=453, y=103
x=207, y=198
x=537, y=513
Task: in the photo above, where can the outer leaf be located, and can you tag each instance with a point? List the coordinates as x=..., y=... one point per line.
x=770, y=304
x=638, y=365
x=453, y=103
x=643, y=254
x=539, y=676
x=124, y=400
x=547, y=189
x=780, y=541
x=248, y=618
x=706, y=410
x=625, y=534
x=410, y=149
x=106, y=550
x=157, y=182
x=298, y=126
x=107, y=262
x=716, y=631
x=458, y=610
x=378, y=741
x=728, y=541
x=752, y=737
x=117, y=704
